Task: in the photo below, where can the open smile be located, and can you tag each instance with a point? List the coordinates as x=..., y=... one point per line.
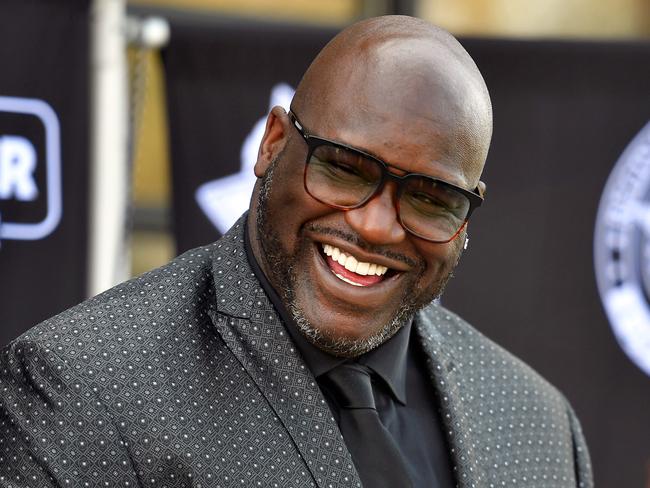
x=352, y=270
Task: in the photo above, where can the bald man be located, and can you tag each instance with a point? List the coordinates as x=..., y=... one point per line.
x=303, y=348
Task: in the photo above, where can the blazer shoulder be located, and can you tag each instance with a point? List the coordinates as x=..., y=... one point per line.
x=96, y=365
x=478, y=353
x=500, y=396
x=184, y=284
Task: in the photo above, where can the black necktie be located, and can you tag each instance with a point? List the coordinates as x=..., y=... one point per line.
x=374, y=452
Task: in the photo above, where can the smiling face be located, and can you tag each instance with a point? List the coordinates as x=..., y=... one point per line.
x=352, y=278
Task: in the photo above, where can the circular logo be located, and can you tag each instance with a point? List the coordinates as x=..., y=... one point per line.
x=622, y=249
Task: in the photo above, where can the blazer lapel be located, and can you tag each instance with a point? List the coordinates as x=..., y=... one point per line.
x=446, y=374
x=253, y=331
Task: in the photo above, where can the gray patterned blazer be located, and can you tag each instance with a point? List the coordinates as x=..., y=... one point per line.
x=185, y=377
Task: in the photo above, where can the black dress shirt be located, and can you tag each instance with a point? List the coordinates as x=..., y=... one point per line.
x=403, y=392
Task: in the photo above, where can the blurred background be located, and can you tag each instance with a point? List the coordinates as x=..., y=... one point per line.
x=128, y=131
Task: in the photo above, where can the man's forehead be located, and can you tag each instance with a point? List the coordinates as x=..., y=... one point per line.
x=417, y=65
x=410, y=78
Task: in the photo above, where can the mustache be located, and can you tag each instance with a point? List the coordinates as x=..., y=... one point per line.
x=359, y=242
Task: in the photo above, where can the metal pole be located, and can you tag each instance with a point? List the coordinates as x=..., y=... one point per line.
x=108, y=260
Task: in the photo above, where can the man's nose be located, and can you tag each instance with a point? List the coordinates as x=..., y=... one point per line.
x=377, y=221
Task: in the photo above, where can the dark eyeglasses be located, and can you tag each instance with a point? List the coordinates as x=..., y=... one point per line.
x=346, y=178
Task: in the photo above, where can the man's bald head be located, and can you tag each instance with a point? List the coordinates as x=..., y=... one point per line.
x=405, y=68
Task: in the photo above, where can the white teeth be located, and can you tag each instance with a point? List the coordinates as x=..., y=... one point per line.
x=362, y=268
x=352, y=264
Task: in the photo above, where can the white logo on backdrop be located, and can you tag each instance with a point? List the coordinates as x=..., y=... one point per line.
x=622, y=249
x=225, y=199
x=18, y=163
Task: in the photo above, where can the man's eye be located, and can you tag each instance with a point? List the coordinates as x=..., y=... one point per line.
x=343, y=169
x=345, y=173
x=430, y=206
x=429, y=200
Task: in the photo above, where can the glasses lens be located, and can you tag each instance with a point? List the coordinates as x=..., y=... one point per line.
x=432, y=209
x=341, y=177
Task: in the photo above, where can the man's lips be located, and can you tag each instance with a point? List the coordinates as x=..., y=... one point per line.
x=351, y=270
x=340, y=289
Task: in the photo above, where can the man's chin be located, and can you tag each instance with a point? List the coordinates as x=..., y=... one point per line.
x=347, y=346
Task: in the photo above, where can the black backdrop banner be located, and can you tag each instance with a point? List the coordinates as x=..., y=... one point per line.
x=563, y=113
x=43, y=159
x=222, y=77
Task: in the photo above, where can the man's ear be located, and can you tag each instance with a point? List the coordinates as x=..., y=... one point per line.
x=273, y=141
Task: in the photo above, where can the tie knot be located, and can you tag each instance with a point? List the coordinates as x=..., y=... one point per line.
x=352, y=386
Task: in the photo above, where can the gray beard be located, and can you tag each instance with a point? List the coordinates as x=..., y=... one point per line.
x=281, y=266
x=349, y=348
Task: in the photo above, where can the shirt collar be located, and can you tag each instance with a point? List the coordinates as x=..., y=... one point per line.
x=388, y=360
